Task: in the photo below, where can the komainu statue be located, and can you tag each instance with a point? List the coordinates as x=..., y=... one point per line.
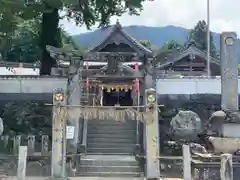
x=214, y=138
x=185, y=125
x=233, y=116
x=225, y=145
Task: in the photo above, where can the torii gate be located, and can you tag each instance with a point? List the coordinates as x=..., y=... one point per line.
x=61, y=106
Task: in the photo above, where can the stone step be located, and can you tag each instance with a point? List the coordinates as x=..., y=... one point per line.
x=123, y=135
x=106, y=162
x=111, y=130
x=111, y=122
x=109, y=174
x=99, y=121
x=109, y=169
x=102, y=122
x=98, y=140
x=120, y=150
x=110, y=145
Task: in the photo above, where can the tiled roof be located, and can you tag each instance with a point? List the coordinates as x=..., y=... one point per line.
x=117, y=28
x=173, y=56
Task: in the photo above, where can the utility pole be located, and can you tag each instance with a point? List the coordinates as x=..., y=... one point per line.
x=208, y=40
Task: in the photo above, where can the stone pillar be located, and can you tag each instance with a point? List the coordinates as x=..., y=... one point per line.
x=152, y=136
x=22, y=163
x=226, y=170
x=44, y=145
x=100, y=91
x=59, y=135
x=16, y=144
x=31, y=145
x=74, y=98
x=187, y=175
x=229, y=71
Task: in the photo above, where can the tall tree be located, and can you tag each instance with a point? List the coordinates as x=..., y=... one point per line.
x=198, y=36
x=83, y=12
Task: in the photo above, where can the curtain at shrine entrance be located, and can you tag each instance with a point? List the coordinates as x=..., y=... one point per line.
x=114, y=97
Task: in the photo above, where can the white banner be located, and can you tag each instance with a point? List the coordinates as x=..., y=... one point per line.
x=70, y=132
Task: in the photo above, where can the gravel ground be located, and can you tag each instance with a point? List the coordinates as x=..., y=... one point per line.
x=72, y=178
x=85, y=178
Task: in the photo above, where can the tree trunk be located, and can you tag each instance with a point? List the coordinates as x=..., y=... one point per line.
x=50, y=35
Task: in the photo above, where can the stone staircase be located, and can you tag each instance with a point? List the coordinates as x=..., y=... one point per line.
x=109, y=166
x=110, y=149
x=111, y=137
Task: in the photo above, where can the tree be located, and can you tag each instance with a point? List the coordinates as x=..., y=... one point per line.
x=67, y=41
x=166, y=50
x=148, y=45
x=22, y=117
x=172, y=44
x=8, y=23
x=24, y=43
x=83, y=12
x=198, y=36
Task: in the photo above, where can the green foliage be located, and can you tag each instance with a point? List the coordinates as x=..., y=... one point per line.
x=99, y=11
x=83, y=12
x=172, y=44
x=26, y=118
x=198, y=35
x=166, y=50
x=148, y=45
x=24, y=43
x=67, y=41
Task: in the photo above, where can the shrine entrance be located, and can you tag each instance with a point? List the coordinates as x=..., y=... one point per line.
x=113, y=97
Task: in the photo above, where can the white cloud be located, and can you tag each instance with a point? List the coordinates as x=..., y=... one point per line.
x=224, y=15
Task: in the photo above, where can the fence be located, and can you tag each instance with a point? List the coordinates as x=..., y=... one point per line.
x=199, y=166
x=36, y=145
x=38, y=154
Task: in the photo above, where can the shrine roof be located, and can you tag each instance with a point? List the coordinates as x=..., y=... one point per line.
x=172, y=56
x=117, y=30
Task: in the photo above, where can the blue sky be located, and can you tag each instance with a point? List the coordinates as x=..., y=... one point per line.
x=185, y=13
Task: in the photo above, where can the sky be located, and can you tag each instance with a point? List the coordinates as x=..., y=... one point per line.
x=224, y=15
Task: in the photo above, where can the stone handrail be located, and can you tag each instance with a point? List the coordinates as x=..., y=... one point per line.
x=84, y=136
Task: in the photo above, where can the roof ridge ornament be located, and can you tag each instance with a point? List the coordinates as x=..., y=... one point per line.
x=118, y=23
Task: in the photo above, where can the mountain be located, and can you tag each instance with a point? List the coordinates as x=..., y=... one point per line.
x=157, y=35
